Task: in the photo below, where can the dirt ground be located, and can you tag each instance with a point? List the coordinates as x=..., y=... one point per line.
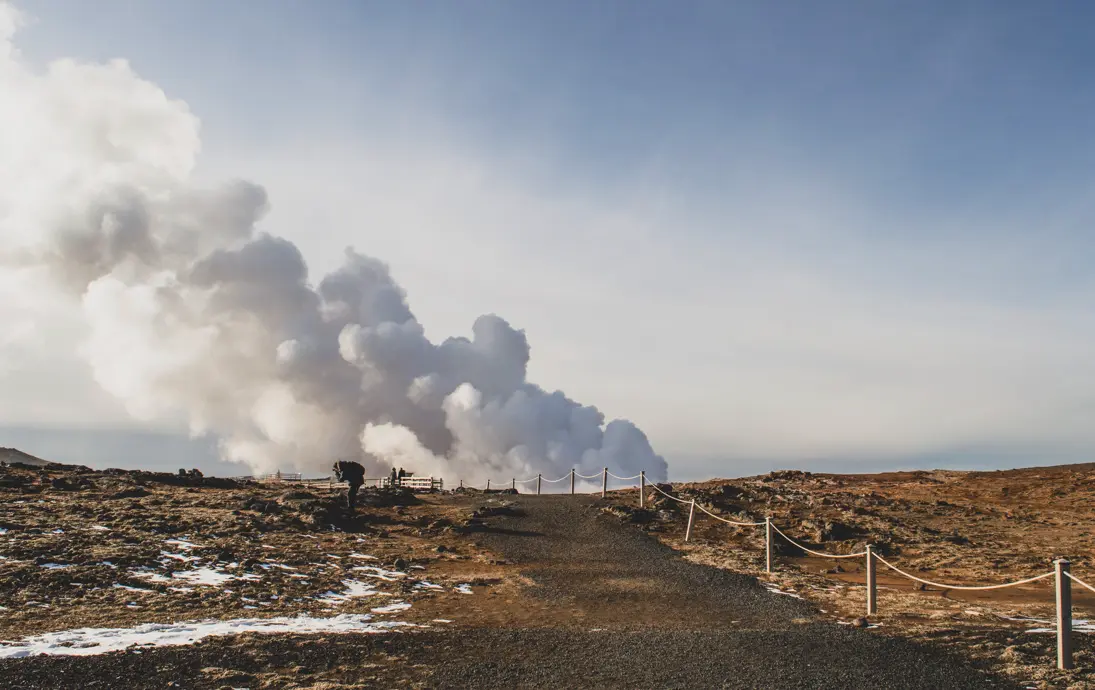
x=951, y=527
x=83, y=548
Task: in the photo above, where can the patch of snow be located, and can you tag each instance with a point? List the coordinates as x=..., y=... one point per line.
x=133, y=589
x=149, y=575
x=281, y=565
x=337, y=558
x=181, y=543
x=354, y=589
x=57, y=531
x=380, y=573
x=92, y=641
x=1078, y=625
x=776, y=590
x=99, y=528
x=463, y=589
x=3, y=531
x=427, y=585
x=55, y=566
x=364, y=556
x=392, y=608
x=211, y=577
x=441, y=620
x=185, y=558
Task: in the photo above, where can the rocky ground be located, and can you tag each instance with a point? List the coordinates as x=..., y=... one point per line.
x=85, y=548
x=442, y=587
x=950, y=527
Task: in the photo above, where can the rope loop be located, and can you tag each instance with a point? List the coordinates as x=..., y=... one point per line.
x=897, y=570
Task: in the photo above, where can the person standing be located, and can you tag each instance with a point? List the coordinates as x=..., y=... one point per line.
x=352, y=473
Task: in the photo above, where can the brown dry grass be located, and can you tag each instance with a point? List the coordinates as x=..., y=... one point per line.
x=946, y=526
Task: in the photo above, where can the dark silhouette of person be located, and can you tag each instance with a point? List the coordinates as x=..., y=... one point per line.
x=353, y=474
x=401, y=475
x=395, y=476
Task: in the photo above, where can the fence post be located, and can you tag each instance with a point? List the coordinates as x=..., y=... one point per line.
x=642, y=487
x=571, y=480
x=767, y=544
x=691, y=516
x=604, y=484
x=538, y=477
x=513, y=484
x=1064, y=614
x=488, y=485
x=872, y=590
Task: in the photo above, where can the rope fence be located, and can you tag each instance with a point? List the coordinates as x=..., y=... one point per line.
x=1061, y=572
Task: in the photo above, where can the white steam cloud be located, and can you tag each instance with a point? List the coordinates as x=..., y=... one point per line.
x=193, y=311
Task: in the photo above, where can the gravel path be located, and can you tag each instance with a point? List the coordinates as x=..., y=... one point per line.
x=643, y=617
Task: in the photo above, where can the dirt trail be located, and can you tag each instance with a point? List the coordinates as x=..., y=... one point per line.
x=631, y=612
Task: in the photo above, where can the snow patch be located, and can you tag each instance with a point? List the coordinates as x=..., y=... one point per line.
x=211, y=577
x=380, y=573
x=392, y=608
x=463, y=589
x=181, y=543
x=354, y=590
x=91, y=641
x=134, y=589
x=776, y=590
x=427, y=585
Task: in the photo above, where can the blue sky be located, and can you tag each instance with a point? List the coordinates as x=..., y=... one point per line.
x=847, y=234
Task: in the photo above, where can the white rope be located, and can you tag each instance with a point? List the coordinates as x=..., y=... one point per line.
x=893, y=567
x=1079, y=581
x=729, y=522
x=678, y=500
x=592, y=476
x=552, y=481
x=525, y=481
x=819, y=553
x=624, y=479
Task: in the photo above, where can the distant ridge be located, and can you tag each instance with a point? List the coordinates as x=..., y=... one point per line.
x=10, y=455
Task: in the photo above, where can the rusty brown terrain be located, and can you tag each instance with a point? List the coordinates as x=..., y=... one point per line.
x=952, y=527
x=85, y=548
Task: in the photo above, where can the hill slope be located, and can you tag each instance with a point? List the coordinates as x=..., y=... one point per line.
x=10, y=455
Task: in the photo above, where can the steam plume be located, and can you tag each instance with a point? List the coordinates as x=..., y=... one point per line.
x=194, y=312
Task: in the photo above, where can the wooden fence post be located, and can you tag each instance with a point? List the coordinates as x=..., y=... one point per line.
x=604, y=484
x=538, y=478
x=488, y=485
x=1064, y=614
x=572, y=480
x=691, y=514
x=513, y=484
x=767, y=544
x=872, y=590
x=642, y=487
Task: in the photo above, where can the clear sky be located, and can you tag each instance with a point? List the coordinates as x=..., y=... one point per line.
x=842, y=235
